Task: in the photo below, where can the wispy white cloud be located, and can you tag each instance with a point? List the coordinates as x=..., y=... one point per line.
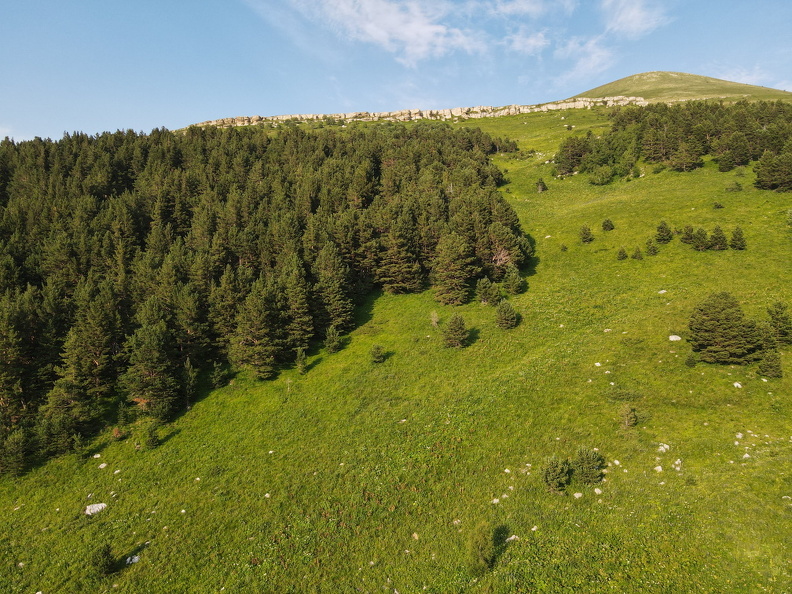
x=532, y=8
x=527, y=43
x=749, y=76
x=590, y=57
x=633, y=18
x=412, y=30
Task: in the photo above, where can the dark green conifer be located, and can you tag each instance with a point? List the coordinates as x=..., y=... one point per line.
x=721, y=334
x=555, y=474
x=652, y=248
x=505, y=316
x=688, y=236
x=587, y=465
x=737, y=241
x=377, y=354
x=332, y=340
x=621, y=254
x=332, y=281
x=455, y=333
x=637, y=255
x=607, y=225
x=488, y=292
x=717, y=241
x=256, y=342
x=513, y=282
x=586, y=236
x=453, y=270
x=770, y=364
x=700, y=240
x=780, y=322
x=664, y=233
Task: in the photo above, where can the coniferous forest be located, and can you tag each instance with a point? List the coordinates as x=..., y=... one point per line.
x=131, y=265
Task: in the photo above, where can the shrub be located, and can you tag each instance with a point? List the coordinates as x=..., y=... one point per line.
x=585, y=234
x=102, y=561
x=691, y=360
x=687, y=235
x=629, y=416
x=505, y=316
x=555, y=474
x=219, y=377
x=770, y=364
x=700, y=240
x=564, y=247
x=734, y=187
x=601, y=176
x=652, y=248
x=152, y=435
x=300, y=361
x=481, y=549
x=637, y=255
x=434, y=318
x=717, y=205
x=377, y=354
x=541, y=186
x=621, y=254
x=587, y=465
x=513, y=282
x=455, y=334
x=607, y=225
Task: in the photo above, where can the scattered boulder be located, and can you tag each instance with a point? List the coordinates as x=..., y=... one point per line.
x=94, y=508
x=674, y=338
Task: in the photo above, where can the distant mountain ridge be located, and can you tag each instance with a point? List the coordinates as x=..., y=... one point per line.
x=638, y=89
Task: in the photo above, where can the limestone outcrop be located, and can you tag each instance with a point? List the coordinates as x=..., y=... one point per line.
x=408, y=115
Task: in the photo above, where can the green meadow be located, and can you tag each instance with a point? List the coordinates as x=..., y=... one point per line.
x=365, y=477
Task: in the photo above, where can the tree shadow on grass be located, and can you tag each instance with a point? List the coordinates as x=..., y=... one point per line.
x=499, y=539
x=473, y=336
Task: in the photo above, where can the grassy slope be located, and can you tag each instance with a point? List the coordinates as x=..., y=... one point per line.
x=371, y=477
x=679, y=86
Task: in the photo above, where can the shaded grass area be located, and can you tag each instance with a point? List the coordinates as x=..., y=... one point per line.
x=369, y=477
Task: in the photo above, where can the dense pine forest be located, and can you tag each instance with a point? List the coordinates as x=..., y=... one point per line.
x=679, y=136
x=132, y=265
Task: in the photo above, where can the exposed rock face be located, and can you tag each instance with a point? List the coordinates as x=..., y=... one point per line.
x=407, y=115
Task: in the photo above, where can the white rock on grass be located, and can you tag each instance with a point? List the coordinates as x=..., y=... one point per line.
x=658, y=469
x=103, y=465
x=662, y=292
x=578, y=495
x=598, y=491
x=674, y=338
x=737, y=385
x=94, y=508
x=512, y=538
x=132, y=559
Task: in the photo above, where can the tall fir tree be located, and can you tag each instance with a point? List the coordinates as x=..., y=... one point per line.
x=453, y=270
x=257, y=341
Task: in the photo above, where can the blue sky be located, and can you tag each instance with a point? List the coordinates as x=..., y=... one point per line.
x=91, y=66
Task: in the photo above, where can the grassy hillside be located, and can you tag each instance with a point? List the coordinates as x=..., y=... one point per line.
x=679, y=86
x=365, y=477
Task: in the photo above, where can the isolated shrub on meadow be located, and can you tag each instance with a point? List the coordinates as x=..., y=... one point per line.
x=587, y=465
x=607, y=225
x=377, y=354
x=541, y=186
x=455, y=334
x=720, y=333
x=505, y=316
x=152, y=435
x=555, y=474
x=629, y=416
x=637, y=255
x=586, y=236
x=652, y=249
x=300, y=361
x=770, y=364
x=621, y=254
x=481, y=549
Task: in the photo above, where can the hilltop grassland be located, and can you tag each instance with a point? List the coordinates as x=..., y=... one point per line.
x=680, y=86
x=370, y=477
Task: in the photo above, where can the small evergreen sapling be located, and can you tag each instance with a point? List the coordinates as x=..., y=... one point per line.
x=780, y=322
x=587, y=466
x=513, y=282
x=555, y=474
x=505, y=316
x=770, y=364
x=621, y=254
x=455, y=334
x=687, y=235
x=102, y=561
x=700, y=241
x=737, y=241
x=487, y=291
x=717, y=241
x=607, y=225
x=664, y=233
x=300, y=361
x=637, y=255
x=377, y=354
x=332, y=340
x=652, y=249
x=586, y=236
x=541, y=186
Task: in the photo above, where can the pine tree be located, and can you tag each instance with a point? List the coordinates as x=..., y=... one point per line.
x=637, y=255
x=721, y=334
x=488, y=292
x=607, y=225
x=688, y=236
x=332, y=340
x=585, y=234
x=717, y=241
x=300, y=361
x=651, y=247
x=256, y=342
x=664, y=233
x=737, y=241
x=453, y=270
x=377, y=354
x=150, y=380
x=513, y=282
x=505, y=316
x=780, y=322
x=621, y=254
x=587, y=465
x=541, y=186
x=455, y=334
x=299, y=327
x=331, y=288
x=700, y=240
